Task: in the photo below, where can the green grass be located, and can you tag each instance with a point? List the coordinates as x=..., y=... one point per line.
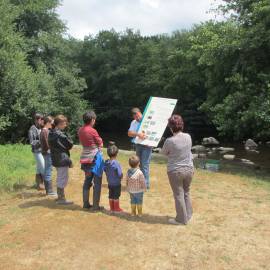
x=17, y=166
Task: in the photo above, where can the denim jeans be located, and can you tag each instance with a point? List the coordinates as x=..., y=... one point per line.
x=48, y=167
x=89, y=180
x=144, y=153
x=40, y=163
x=136, y=198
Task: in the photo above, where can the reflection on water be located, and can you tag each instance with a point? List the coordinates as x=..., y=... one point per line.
x=262, y=159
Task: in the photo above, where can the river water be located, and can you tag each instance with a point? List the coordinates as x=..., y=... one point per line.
x=262, y=159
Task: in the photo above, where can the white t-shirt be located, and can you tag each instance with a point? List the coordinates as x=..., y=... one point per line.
x=134, y=126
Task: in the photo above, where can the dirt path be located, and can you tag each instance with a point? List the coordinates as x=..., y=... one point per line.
x=230, y=229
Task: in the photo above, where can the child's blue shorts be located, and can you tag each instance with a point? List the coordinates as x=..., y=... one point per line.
x=136, y=198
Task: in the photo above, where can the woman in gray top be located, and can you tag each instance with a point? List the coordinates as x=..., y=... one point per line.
x=180, y=168
x=34, y=140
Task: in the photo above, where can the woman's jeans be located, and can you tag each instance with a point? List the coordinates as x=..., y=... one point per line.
x=90, y=180
x=180, y=183
x=40, y=163
x=48, y=167
x=144, y=153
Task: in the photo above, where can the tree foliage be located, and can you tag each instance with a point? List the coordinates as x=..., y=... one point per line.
x=219, y=71
x=35, y=72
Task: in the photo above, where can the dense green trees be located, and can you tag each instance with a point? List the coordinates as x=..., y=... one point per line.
x=219, y=71
x=235, y=57
x=36, y=73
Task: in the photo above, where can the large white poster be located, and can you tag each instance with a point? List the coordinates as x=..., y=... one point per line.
x=155, y=120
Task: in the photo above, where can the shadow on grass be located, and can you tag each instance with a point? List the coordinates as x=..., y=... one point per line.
x=29, y=195
x=51, y=204
x=146, y=218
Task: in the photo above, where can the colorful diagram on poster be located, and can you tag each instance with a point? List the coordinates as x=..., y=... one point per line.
x=155, y=120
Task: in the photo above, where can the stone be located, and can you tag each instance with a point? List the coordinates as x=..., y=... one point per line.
x=268, y=143
x=229, y=157
x=202, y=155
x=195, y=156
x=210, y=141
x=252, y=151
x=250, y=145
x=198, y=149
x=225, y=150
x=247, y=162
x=156, y=150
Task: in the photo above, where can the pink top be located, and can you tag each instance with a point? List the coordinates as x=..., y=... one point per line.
x=91, y=142
x=89, y=137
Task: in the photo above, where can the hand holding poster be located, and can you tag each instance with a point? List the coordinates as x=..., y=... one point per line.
x=155, y=119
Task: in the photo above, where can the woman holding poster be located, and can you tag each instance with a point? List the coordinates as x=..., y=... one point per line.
x=142, y=151
x=180, y=169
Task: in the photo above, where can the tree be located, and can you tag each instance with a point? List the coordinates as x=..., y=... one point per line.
x=37, y=71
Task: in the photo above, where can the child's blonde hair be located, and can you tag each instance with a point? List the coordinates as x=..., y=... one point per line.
x=134, y=161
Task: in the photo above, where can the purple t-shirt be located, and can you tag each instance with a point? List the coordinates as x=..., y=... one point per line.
x=113, y=172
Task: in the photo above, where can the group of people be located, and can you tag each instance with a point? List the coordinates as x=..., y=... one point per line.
x=51, y=147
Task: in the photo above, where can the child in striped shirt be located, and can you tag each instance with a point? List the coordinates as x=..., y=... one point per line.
x=135, y=185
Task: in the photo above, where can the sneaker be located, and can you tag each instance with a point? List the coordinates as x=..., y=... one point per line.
x=174, y=222
x=51, y=193
x=63, y=202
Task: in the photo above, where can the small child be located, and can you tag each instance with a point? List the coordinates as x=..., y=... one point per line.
x=114, y=175
x=135, y=185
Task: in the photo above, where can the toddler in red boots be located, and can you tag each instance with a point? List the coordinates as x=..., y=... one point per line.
x=114, y=175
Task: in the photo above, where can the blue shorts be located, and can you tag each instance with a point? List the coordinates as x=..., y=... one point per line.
x=136, y=198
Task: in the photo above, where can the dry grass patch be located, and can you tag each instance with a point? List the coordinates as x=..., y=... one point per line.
x=230, y=228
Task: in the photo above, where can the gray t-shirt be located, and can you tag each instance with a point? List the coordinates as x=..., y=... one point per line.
x=178, y=150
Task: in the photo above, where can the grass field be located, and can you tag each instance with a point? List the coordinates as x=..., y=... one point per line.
x=230, y=228
x=17, y=166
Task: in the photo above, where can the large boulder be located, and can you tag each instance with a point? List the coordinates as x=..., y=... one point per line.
x=156, y=150
x=229, y=157
x=250, y=145
x=247, y=162
x=198, y=149
x=225, y=150
x=210, y=141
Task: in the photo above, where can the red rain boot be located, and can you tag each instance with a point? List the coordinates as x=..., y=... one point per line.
x=117, y=207
x=111, y=205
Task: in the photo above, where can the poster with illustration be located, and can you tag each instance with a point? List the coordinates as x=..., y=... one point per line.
x=155, y=120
